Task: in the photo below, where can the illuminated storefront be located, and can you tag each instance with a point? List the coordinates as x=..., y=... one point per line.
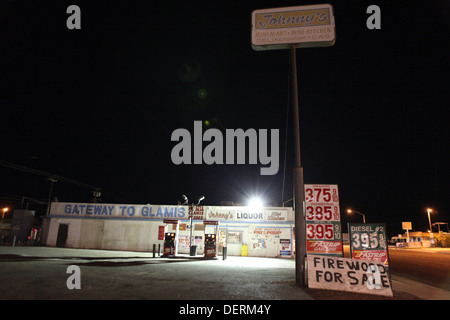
x=264, y=232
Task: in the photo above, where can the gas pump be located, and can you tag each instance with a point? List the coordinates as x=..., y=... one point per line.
x=210, y=246
x=171, y=240
x=169, y=244
x=211, y=240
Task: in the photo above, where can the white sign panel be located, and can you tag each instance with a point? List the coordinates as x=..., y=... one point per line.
x=247, y=214
x=343, y=274
x=113, y=210
x=137, y=211
x=406, y=225
x=304, y=26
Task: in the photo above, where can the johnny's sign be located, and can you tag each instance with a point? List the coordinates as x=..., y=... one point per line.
x=304, y=26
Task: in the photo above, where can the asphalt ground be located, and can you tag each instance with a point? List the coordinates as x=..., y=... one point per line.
x=41, y=273
x=427, y=265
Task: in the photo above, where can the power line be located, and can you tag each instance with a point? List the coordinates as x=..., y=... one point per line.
x=47, y=175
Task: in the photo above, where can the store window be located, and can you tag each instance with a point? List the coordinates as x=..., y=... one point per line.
x=234, y=237
x=199, y=227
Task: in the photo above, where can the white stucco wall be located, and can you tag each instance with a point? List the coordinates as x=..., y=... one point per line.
x=263, y=233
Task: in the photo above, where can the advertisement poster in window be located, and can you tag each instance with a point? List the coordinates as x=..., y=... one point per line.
x=285, y=247
x=323, y=220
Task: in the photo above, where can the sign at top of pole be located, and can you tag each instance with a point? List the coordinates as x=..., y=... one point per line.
x=302, y=26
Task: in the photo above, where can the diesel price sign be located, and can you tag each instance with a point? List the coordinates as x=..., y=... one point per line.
x=368, y=242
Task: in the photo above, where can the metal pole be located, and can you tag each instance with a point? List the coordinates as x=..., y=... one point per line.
x=429, y=219
x=191, y=253
x=299, y=193
x=362, y=214
x=52, y=180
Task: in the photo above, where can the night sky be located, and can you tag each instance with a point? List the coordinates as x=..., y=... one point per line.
x=99, y=105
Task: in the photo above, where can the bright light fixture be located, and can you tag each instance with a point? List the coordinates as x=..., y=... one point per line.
x=255, y=203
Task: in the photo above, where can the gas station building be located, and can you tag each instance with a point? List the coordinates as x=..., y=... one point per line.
x=245, y=231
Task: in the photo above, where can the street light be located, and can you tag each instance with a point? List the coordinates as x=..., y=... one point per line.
x=255, y=204
x=201, y=198
x=5, y=209
x=429, y=218
x=191, y=214
x=429, y=210
x=350, y=211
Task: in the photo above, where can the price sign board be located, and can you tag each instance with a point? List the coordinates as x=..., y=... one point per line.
x=323, y=220
x=368, y=242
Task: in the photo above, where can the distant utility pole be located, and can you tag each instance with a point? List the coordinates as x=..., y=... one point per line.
x=52, y=180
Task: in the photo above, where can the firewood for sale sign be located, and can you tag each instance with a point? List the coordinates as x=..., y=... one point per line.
x=343, y=274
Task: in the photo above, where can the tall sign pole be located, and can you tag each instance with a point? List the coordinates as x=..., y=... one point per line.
x=291, y=28
x=299, y=188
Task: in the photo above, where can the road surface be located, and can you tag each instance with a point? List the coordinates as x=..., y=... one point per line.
x=430, y=266
x=41, y=273
x=426, y=265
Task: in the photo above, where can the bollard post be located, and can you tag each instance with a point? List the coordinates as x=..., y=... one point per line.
x=154, y=250
x=224, y=253
x=159, y=249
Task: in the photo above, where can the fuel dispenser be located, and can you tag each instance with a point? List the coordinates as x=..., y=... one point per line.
x=171, y=240
x=211, y=239
x=170, y=245
x=210, y=246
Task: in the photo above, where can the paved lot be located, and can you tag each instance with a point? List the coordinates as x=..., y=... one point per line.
x=427, y=265
x=41, y=273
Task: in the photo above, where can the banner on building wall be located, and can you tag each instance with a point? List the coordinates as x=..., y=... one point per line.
x=262, y=238
x=106, y=210
x=247, y=214
x=218, y=213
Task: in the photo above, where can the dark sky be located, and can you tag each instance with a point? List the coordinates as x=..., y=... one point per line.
x=98, y=105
